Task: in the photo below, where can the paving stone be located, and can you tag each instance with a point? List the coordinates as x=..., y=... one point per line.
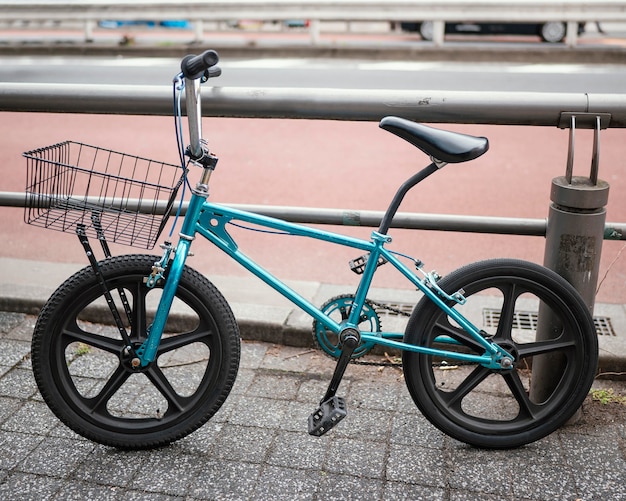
x=287, y=484
x=242, y=443
x=18, y=383
x=298, y=450
x=225, y=480
x=15, y=447
x=357, y=457
x=415, y=430
x=259, y=411
x=12, y=352
x=50, y=457
x=278, y=386
x=346, y=487
x=31, y=417
x=402, y=491
x=167, y=471
x=417, y=465
x=30, y=487
x=108, y=466
x=10, y=320
x=80, y=491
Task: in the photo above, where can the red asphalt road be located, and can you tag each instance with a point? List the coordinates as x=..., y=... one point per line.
x=333, y=165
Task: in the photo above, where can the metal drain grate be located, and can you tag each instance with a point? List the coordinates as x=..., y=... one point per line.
x=523, y=320
x=527, y=320
x=603, y=326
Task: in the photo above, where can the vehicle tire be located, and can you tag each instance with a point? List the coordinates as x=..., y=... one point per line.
x=427, y=30
x=408, y=27
x=553, y=32
x=88, y=380
x=555, y=355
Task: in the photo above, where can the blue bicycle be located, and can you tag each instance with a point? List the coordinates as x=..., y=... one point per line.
x=137, y=351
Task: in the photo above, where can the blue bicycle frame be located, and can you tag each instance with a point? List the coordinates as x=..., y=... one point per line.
x=211, y=220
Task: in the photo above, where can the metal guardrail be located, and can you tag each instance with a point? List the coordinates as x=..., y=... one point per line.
x=367, y=218
x=499, y=108
x=572, y=12
x=561, y=110
x=496, y=108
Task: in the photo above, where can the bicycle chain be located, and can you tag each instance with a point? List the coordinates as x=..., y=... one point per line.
x=386, y=307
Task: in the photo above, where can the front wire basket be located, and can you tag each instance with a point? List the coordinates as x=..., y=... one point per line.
x=130, y=198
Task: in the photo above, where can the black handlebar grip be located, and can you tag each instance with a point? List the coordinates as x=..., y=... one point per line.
x=194, y=66
x=215, y=71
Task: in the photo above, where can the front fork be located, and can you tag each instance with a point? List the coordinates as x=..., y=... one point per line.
x=147, y=352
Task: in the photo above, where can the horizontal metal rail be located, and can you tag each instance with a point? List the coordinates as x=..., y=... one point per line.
x=365, y=218
x=457, y=10
x=499, y=108
x=571, y=12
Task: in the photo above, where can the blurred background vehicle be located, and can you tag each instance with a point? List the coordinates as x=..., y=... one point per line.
x=150, y=24
x=552, y=32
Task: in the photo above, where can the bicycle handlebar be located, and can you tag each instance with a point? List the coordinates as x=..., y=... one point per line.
x=197, y=69
x=193, y=67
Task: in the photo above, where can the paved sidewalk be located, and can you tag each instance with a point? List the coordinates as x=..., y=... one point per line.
x=257, y=446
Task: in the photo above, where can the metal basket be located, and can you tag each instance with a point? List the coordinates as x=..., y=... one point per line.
x=126, y=199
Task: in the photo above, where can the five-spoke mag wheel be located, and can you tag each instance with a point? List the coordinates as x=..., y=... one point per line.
x=537, y=317
x=88, y=377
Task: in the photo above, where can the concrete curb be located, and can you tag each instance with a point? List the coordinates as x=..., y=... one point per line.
x=453, y=51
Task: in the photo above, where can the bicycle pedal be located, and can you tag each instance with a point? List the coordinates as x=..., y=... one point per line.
x=358, y=265
x=327, y=415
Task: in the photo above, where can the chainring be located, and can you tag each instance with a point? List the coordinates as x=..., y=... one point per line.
x=338, y=308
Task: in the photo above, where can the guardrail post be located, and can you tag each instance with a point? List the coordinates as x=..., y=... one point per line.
x=314, y=31
x=439, y=32
x=571, y=35
x=198, y=30
x=574, y=237
x=89, y=25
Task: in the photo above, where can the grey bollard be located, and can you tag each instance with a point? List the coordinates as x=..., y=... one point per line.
x=574, y=238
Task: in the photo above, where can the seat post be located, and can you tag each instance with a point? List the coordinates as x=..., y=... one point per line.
x=402, y=191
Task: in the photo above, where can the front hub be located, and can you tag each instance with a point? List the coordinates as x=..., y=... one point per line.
x=129, y=359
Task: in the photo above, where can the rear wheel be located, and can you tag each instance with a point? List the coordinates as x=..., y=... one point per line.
x=88, y=380
x=538, y=318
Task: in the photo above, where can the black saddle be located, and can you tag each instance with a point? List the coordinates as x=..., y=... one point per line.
x=443, y=145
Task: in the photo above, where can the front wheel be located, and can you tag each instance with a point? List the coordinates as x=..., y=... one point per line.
x=88, y=379
x=537, y=317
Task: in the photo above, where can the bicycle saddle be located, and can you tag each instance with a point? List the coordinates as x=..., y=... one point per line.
x=443, y=145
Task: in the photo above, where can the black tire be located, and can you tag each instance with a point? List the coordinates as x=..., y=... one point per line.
x=553, y=370
x=89, y=383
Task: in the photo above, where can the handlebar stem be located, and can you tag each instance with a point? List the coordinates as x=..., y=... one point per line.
x=194, y=116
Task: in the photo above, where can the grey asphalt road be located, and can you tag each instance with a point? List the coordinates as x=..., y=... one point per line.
x=326, y=73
